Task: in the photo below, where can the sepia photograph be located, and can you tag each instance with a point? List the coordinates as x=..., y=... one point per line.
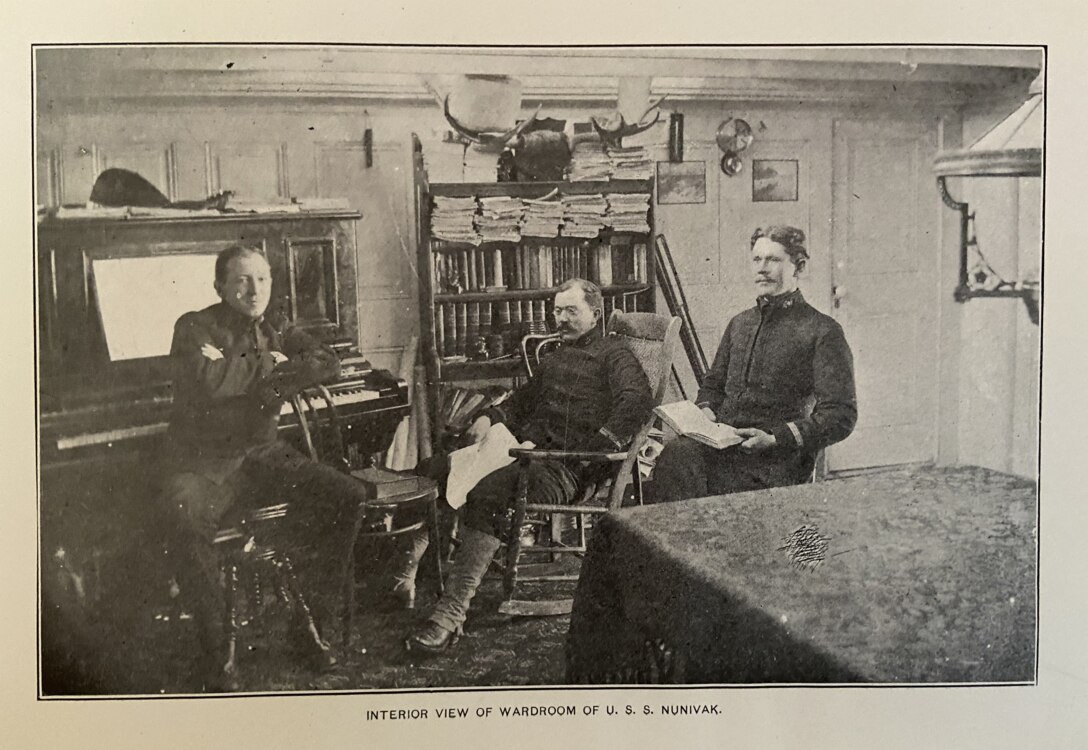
x=774, y=180
x=368, y=368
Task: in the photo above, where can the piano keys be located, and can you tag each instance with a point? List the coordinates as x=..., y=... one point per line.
x=368, y=409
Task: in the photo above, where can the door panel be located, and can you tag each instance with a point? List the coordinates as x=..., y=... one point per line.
x=386, y=249
x=886, y=261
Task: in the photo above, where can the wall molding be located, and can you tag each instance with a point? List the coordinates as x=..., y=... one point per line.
x=596, y=90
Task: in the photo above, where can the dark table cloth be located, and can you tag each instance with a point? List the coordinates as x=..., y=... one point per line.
x=929, y=576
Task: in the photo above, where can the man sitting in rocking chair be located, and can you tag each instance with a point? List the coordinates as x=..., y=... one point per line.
x=590, y=394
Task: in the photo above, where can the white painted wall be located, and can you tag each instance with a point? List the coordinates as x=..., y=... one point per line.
x=988, y=408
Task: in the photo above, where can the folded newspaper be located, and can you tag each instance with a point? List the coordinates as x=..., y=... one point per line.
x=474, y=462
x=688, y=419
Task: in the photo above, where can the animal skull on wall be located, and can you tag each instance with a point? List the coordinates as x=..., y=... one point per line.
x=614, y=136
x=488, y=142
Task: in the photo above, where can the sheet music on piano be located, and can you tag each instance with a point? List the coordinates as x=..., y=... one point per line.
x=140, y=299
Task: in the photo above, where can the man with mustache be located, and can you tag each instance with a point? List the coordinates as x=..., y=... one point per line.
x=590, y=394
x=783, y=376
x=233, y=370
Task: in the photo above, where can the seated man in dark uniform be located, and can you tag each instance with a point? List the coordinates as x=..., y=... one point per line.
x=233, y=371
x=590, y=394
x=783, y=376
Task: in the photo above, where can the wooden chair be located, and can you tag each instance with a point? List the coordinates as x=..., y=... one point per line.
x=399, y=502
x=248, y=551
x=651, y=338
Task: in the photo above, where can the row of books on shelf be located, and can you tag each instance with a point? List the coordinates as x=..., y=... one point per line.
x=491, y=330
x=620, y=260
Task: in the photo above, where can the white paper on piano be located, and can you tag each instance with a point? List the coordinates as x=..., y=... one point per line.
x=688, y=419
x=471, y=464
x=140, y=299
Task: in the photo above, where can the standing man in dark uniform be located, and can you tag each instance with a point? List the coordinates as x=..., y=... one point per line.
x=233, y=370
x=590, y=394
x=783, y=375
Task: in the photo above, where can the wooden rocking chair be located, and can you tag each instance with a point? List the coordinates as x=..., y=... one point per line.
x=651, y=338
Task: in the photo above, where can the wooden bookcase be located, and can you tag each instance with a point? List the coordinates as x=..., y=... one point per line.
x=472, y=293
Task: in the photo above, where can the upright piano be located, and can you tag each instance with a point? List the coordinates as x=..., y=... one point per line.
x=109, y=288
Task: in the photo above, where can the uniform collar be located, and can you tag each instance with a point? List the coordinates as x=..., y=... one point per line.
x=785, y=301
x=586, y=339
x=234, y=319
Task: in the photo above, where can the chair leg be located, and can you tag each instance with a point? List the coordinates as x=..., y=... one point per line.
x=556, y=530
x=232, y=619
x=513, y=542
x=347, y=618
x=256, y=600
x=283, y=564
x=455, y=536
x=436, y=545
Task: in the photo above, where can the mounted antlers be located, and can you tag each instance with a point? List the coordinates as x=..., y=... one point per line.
x=488, y=142
x=615, y=136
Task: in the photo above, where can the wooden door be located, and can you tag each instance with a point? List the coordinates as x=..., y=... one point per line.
x=885, y=274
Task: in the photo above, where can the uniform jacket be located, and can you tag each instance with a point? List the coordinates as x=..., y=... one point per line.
x=230, y=402
x=785, y=368
x=589, y=394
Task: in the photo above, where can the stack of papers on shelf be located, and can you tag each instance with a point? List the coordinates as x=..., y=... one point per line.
x=261, y=207
x=481, y=166
x=167, y=212
x=589, y=162
x=630, y=163
x=627, y=212
x=685, y=418
x=453, y=219
x=543, y=218
x=584, y=215
x=499, y=219
x=91, y=210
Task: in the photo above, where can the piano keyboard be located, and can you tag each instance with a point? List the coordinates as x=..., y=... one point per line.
x=339, y=398
x=110, y=436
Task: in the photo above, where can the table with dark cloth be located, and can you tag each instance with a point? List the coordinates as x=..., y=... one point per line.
x=929, y=576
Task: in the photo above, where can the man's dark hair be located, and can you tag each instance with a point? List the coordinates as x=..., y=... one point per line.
x=222, y=261
x=590, y=291
x=790, y=238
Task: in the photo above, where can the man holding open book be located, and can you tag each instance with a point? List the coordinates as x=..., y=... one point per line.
x=783, y=377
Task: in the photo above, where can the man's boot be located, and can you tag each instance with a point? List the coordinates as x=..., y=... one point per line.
x=444, y=626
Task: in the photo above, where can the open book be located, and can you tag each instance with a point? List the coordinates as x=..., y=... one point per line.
x=688, y=419
x=474, y=462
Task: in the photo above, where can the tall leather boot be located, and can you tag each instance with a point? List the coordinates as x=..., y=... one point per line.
x=444, y=626
x=409, y=554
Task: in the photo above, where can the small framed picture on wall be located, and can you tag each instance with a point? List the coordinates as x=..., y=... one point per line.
x=681, y=182
x=774, y=180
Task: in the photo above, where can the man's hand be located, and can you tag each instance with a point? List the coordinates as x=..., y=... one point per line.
x=478, y=429
x=210, y=352
x=278, y=357
x=710, y=414
x=757, y=440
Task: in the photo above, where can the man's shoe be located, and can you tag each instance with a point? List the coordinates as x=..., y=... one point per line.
x=432, y=638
